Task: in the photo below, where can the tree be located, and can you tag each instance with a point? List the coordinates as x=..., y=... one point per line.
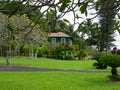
x=53, y=10
x=107, y=14
x=34, y=40
x=89, y=29
x=92, y=31
x=14, y=31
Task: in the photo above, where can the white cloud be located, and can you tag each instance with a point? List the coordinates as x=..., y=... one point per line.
x=117, y=38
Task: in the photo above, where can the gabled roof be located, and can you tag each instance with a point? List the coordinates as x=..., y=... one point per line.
x=59, y=34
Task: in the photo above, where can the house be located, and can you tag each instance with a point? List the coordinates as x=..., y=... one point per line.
x=60, y=37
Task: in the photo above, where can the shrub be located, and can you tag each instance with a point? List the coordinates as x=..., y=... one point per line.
x=26, y=50
x=118, y=51
x=81, y=54
x=98, y=64
x=44, y=50
x=113, y=61
x=64, y=52
x=110, y=60
x=39, y=53
x=114, y=77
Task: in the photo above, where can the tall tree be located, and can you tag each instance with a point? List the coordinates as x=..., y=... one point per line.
x=107, y=15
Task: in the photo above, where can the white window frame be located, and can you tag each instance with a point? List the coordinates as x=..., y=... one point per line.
x=63, y=40
x=70, y=41
x=54, y=40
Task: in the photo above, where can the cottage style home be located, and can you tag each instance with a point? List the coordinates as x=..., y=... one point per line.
x=60, y=37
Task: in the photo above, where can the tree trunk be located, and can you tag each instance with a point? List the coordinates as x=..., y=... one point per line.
x=107, y=45
x=29, y=53
x=32, y=53
x=7, y=58
x=36, y=53
x=114, y=71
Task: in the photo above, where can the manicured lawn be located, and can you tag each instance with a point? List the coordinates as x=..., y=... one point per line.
x=55, y=81
x=50, y=63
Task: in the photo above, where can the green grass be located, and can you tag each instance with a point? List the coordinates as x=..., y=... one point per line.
x=50, y=63
x=55, y=81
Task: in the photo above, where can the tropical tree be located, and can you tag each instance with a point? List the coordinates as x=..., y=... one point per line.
x=53, y=10
x=34, y=40
x=14, y=31
x=107, y=15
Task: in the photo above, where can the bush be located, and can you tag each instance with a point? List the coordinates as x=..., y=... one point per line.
x=118, y=51
x=44, y=51
x=110, y=60
x=113, y=61
x=26, y=50
x=82, y=54
x=64, y=52
x=114, y=77
x=98, y=64
x=39, y=53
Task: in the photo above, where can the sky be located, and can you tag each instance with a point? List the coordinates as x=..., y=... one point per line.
x=117, y=42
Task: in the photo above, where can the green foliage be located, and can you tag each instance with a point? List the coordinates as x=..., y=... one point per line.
x=64, y=4
x=39, y=53
x=14, y=29
x=118, y=51
x=82, y=54
x=65, y=20
x=98, y=64
x=107, y=18
x=96, y=57
x=110, y=60
x=113, y=61
x=26, y=50
x=44, y=50
x=83, y=8
x=14, y=6
x=67, y=54
x=114, y=77
x=51, y=13
x=64, y=52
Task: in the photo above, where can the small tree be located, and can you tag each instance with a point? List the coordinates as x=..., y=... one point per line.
x=113, y=61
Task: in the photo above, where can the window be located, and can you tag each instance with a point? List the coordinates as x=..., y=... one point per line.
x=70, y=41
x=54, y=40
x=63, y=40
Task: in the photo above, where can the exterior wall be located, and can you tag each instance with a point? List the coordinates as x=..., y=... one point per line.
x=59, y=39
